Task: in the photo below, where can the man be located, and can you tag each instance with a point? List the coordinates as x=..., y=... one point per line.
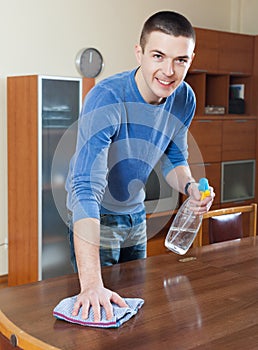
x=129, y=122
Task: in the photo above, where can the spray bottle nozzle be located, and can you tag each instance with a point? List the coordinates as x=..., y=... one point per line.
x=204, y=188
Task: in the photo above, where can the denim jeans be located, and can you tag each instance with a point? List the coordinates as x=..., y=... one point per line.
x=122, y=238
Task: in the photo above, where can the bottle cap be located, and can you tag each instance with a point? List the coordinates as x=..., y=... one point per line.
x=204, y=187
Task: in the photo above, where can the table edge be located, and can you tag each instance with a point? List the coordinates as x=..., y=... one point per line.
x=23, y=339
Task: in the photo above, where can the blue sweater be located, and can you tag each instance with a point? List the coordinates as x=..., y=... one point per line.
x=120, y=139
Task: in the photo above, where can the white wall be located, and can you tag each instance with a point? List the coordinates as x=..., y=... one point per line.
x=43, y=37
x=248, y=18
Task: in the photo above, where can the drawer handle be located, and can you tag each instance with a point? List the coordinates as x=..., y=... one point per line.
x=196, y=70
x=202, y=164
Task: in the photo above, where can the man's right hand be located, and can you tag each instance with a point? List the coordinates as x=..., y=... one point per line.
x=93, y=293
x=96, y=298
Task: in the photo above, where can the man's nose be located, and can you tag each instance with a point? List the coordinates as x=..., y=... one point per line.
x=168, y=67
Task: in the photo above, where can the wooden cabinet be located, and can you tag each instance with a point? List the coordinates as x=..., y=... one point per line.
x=206, y=51
x=31, y=125
x=213, y=172
x=255, y=78
x=198, y=83
x=212, y=141
x=213, y=90
x=223, y=52
x=239, y=139
x=222, y=59
x=236, y=53
x=204, y=140
x=156, y=245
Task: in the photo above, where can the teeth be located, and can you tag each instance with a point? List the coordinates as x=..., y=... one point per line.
x=164, y=82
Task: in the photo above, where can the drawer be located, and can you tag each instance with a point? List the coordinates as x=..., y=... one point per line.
x=239, y=139
x=204, y=141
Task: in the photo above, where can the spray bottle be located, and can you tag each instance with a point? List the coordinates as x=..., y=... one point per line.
x=186, y=223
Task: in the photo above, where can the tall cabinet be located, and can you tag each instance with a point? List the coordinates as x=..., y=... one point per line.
x=42, y=115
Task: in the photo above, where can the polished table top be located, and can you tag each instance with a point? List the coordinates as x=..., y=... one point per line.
x=207, y=299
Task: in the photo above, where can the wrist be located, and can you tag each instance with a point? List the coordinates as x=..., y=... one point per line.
x=188, y=188
x=91, y=282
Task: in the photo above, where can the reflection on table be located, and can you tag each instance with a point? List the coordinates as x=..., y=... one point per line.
x=204, y=300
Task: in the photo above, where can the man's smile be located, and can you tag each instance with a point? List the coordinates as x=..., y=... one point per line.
x=164, y=82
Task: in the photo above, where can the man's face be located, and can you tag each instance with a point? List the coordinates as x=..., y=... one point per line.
x=163, y=65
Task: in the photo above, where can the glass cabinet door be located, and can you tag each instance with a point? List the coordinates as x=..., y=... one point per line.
x=60, y=107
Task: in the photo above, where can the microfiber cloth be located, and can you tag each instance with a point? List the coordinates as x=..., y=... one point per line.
x=64, y=310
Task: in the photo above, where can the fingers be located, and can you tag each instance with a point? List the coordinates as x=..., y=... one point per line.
x=81, y=304
x=118, y=300
x=104, y=299
x=108, y=309
x=84, y=304
x=76, y=308
x=96, y=311
x=201, y=207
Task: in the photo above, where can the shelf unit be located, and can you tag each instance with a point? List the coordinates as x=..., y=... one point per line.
x=222, y=59
x=39, y=111
x=213, y=90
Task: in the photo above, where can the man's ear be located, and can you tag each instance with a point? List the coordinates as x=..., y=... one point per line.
x=192, y=58
x=138, y=53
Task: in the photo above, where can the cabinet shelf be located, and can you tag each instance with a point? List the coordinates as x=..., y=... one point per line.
x=222, y=59
x=214, y=90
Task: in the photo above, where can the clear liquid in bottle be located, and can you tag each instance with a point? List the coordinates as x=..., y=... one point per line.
x=180, y=240
x=186, y=224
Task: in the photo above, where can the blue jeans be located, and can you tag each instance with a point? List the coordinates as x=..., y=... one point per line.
x=122, y=238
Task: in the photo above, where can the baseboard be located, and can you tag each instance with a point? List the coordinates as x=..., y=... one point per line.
x=3, y=280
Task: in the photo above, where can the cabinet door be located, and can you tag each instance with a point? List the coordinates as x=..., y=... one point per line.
x=236, y=53
x=239, y=139
x=204, y=141
x=206, y=50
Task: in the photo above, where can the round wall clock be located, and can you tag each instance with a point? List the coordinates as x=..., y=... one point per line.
x=89, y=62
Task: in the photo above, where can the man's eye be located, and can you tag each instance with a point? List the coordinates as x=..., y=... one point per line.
x=182, y=61
x=157, y=56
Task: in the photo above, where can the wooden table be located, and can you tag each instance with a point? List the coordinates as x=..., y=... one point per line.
x=205, y=300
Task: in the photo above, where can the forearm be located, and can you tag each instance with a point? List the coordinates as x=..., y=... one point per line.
x=86, y=244
x=93, y=293
x=178, y=177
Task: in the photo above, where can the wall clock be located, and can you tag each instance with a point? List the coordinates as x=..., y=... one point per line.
x=89, y=62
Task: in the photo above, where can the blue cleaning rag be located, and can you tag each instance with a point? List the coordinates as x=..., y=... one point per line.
x=64, y=310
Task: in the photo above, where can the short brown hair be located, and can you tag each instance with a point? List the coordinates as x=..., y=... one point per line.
x=167, y=22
